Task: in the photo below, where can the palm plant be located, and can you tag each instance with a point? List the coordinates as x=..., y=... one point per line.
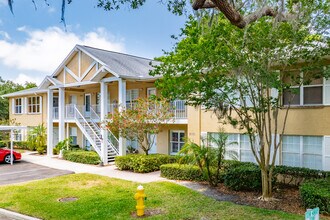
x=208, y=158
x=37, y=139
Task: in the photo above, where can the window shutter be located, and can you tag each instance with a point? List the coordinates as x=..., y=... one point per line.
x=13, y=106
x=326, y=154
x=40, y=104
x=326, y=92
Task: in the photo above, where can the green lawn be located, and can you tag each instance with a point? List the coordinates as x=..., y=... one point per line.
x=105, y=198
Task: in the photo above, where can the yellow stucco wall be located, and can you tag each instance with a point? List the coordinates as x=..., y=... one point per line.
x=73, y=64
x=32, y=119
x=163, y=138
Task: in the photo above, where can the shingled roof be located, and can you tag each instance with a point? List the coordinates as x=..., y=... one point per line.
x=124, y=65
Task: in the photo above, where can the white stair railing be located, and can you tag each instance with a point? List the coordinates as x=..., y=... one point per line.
x=85, y=127
x=112, y=139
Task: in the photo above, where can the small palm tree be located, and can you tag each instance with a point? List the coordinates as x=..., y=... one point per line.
x=37, y=139
x=208, y=159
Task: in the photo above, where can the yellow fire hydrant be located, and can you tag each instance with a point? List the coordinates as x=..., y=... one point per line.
x=140, y=197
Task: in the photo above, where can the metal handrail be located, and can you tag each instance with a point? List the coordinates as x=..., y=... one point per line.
x=81, y=116
x=109, y=134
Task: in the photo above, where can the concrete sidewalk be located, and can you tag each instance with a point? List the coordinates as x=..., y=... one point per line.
x=110, y=170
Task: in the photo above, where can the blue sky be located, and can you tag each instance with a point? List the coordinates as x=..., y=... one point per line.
x=33, y=42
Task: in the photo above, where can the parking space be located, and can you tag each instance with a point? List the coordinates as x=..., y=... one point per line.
x=23, y=171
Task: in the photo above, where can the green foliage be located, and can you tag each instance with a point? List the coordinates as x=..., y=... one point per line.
x=143, y=163
x=297, y=175
x=21, y=144
x=7, y=86
x=142, y=122
x=208, y=159
x=177, y=171
x=232, y=72
x=81, y=156
x=243, y=177
x=37, y=139
x=316, y=193
x=62, y=145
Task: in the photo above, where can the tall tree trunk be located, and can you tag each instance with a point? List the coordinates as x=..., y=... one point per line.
x=267, y=186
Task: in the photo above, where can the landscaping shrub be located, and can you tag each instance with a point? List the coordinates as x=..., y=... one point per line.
x=81, y=156
x=143, y=163
x=181, y=172
x=246, y=176
x=316, y=193
x=21, y=144
x=296, y=175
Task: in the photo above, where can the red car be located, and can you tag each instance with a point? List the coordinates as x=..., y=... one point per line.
x=5, y=155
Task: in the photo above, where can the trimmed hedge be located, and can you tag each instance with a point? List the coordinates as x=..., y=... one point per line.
x=143, y=163
x=297, y=175
x=316, y=193
x=243, y=177
x=81, y=156
x=177, y=171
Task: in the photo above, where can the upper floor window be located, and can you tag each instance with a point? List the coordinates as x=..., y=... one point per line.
x=18, y=103
x=131, y=96
x=34, y=104
x=315, y=92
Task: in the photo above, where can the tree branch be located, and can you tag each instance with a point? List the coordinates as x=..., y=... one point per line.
x=232, y=14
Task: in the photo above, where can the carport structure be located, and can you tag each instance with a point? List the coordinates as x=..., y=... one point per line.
x=11, y=129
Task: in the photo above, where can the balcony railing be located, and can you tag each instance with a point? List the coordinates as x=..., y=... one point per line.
x=178, y=108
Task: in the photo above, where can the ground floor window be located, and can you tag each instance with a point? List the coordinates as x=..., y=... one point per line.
x=176, y=141
x=132, y=144
x=302, y=151
x=73, y=135
x=238, y=147
x=18, y=135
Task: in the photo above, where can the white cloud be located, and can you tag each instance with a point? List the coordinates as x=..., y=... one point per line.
x=5, y=35
x=22, y=78
x=44, y=50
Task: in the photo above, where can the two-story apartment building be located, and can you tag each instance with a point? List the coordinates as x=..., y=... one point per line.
x=90, y=83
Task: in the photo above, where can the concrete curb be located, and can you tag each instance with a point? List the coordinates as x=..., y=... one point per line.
x=16, y=215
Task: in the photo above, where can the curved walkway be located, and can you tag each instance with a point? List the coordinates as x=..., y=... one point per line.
x=110, y=170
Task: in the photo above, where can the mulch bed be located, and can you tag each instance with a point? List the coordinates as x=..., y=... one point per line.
x=286, y=199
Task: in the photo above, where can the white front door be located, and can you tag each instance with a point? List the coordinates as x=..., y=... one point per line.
x=87, y=104
x=153, y=139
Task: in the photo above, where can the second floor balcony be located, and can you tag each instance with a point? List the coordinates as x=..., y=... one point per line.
x=178, y=109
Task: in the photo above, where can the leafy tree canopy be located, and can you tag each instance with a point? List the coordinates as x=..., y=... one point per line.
x=8, y=86
x=241, y=74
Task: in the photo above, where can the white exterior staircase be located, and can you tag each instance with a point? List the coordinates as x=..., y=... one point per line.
x=92, y=131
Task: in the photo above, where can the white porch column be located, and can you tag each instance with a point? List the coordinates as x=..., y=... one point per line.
x=61, y=106
x=50, y=123
x=103, y=116
x=122, y=107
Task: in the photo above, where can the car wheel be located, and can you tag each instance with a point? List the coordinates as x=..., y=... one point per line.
x=7, y=158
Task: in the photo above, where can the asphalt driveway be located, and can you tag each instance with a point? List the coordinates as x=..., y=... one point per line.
x=23, y=171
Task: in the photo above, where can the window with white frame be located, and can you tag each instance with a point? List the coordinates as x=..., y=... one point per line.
x=316, y=92
x=132, y=144
x=302, y=151
x=73, y=135
x=18, y=106
x=18, y=135
x=131, y=96
x=176, y=141
x=237, y=147
x=34, y=104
